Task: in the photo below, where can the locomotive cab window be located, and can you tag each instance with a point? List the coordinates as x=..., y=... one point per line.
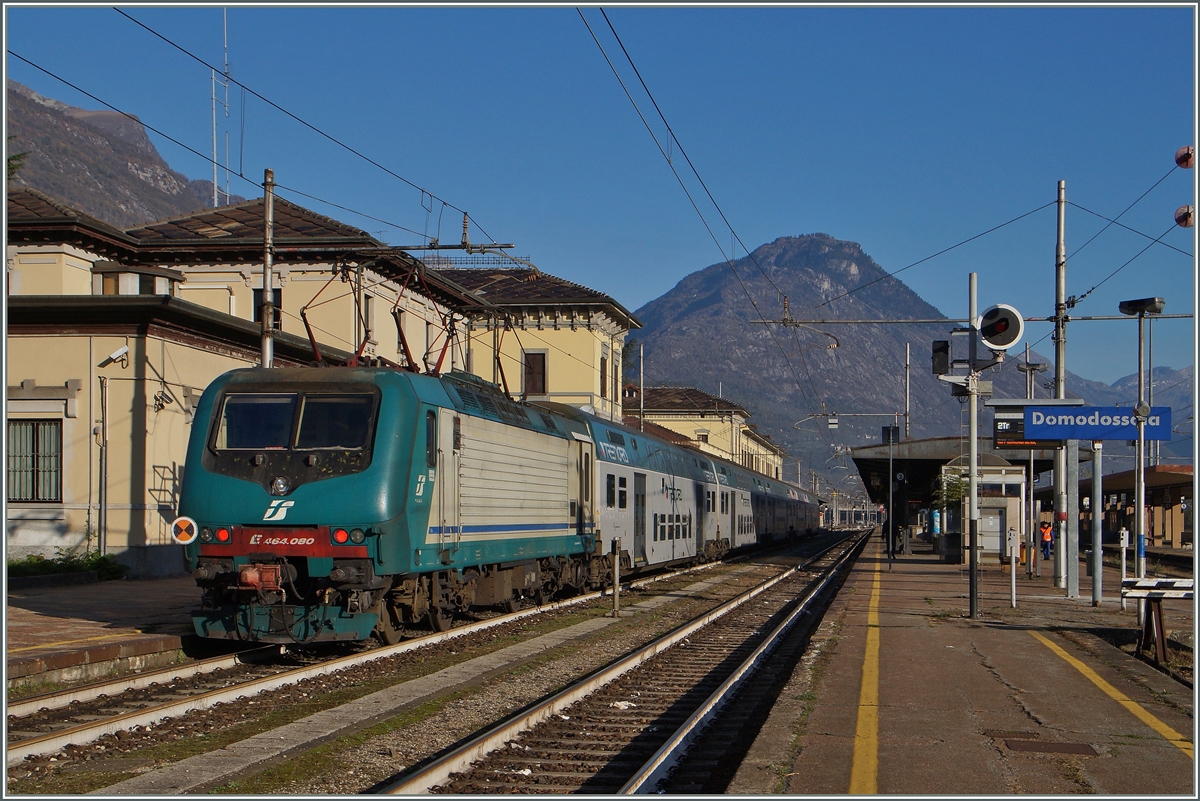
x=256, y=422
x=335, y=421
x=266, y=421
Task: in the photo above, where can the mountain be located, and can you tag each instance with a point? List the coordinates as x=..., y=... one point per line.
x=100, y=162
x=708, y=332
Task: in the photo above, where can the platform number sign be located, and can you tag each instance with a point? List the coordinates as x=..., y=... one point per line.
x=183, y=530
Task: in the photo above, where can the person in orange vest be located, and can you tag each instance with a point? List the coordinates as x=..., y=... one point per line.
x=1047, y=538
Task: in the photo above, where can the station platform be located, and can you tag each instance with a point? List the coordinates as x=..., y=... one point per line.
x=67, y=634
x=906, y=694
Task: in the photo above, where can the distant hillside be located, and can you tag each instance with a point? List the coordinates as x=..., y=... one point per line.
x=100, y=162
x=706, y=333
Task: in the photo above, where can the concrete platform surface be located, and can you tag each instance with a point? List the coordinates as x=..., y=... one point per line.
x=75, y=633
x=903, y=693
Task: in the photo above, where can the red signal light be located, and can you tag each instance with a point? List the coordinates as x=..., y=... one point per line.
x=340, y=536
x=223, y=535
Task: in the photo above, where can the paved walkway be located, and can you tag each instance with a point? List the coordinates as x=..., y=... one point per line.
x=909, y=696
x=84, y=631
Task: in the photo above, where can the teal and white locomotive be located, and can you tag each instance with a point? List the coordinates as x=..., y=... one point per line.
x=325, y=504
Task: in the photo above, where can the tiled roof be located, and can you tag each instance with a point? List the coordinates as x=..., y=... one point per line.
x=687, y=399
x=29, y=206
x=655, y=430
x=522, y=286
x=244, y=222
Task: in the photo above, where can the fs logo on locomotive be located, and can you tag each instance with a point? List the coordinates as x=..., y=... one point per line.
x=278, y=510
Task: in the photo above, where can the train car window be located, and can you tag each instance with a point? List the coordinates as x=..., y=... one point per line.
x=616, y=438
x=622, y=495
x=611, y=487
x=335, y=421
x=457, y=433
x=431, y=439
x=256, y=421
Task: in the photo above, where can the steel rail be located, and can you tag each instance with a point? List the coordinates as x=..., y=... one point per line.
x=89, y=732
x=664, y=761
x=460, y=758
x=93, y=690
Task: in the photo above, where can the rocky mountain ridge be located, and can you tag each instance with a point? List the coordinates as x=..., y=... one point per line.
x=100, y=162
x=709, y=332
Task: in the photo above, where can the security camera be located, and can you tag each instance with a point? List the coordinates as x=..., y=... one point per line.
x=118, y=353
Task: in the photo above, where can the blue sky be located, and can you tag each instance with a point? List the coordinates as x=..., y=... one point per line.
x=907, y=130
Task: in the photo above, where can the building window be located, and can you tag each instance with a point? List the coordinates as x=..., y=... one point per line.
x=109, y=284
x=277, y=300
x=35, y=460
x=604, y=376
x=702, y=437
x=535, y=373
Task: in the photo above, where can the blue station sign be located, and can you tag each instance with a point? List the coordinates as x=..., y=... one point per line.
x=1094, y=422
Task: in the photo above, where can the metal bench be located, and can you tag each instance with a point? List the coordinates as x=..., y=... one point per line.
x=1154, y=635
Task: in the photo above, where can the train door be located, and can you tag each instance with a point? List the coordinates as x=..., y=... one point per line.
x=581, y=490
x=446, y=432
x=639, y=518
x=700, y=496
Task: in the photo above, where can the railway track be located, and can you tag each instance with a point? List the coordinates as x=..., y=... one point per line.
x=625, y=727
x=45, y=724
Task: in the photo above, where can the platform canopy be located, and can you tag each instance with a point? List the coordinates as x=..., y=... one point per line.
x=921, y=461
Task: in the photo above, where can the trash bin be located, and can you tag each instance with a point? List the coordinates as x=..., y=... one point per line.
x=1087, y=560
x=1022, y=559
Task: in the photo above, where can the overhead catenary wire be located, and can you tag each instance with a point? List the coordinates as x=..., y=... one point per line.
x=195, y=152
x=699, y=213
x=305, y=123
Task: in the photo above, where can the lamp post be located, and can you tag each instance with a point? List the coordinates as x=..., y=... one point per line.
x=1030, y=369
x=1141, y=308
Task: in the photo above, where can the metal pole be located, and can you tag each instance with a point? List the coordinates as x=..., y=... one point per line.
x=1060, y=377
x=102, y=532
x=890, y=531
x=973, y=429
x=1012, y=563
x=268, y=296
x=1070, y=543
x=1154, y=444
x=1030, y=545
x=642, y=390
x=616, y=555
x=1097, y=520
x=907, y=382
x=1139, y=501
x=1124, y=567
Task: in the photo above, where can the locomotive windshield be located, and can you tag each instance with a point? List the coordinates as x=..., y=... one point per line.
x=261, y=421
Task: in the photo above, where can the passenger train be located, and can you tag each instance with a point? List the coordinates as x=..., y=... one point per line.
x=330, y=504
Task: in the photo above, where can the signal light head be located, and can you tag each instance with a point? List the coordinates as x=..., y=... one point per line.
x=222, y=534
x=340, y=536
x=357, y=535
x=1000, y=327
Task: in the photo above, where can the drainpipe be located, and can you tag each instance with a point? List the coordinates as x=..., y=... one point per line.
x=102, y=532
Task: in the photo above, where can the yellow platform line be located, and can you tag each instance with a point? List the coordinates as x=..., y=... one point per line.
x=70, y=642
x=1174, y=737
x=864, y=769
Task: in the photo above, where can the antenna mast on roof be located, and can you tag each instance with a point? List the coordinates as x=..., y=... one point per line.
x=225, y=104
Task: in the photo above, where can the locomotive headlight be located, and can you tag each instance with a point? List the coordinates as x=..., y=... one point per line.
x=282, y=485
x=357, y=535
x=340, y=536
x=206, y=535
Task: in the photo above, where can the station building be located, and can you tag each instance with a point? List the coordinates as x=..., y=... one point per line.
x=708, y=423
x=114, y=334
x=556, y=340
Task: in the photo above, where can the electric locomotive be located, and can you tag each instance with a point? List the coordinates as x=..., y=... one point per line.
x=329, y=504
x=324, y=504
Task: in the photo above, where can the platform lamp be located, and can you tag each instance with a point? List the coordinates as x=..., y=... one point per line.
x=1141, y=411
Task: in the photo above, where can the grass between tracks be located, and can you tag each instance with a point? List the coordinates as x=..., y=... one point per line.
x=326, y=759
x=101, y=769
